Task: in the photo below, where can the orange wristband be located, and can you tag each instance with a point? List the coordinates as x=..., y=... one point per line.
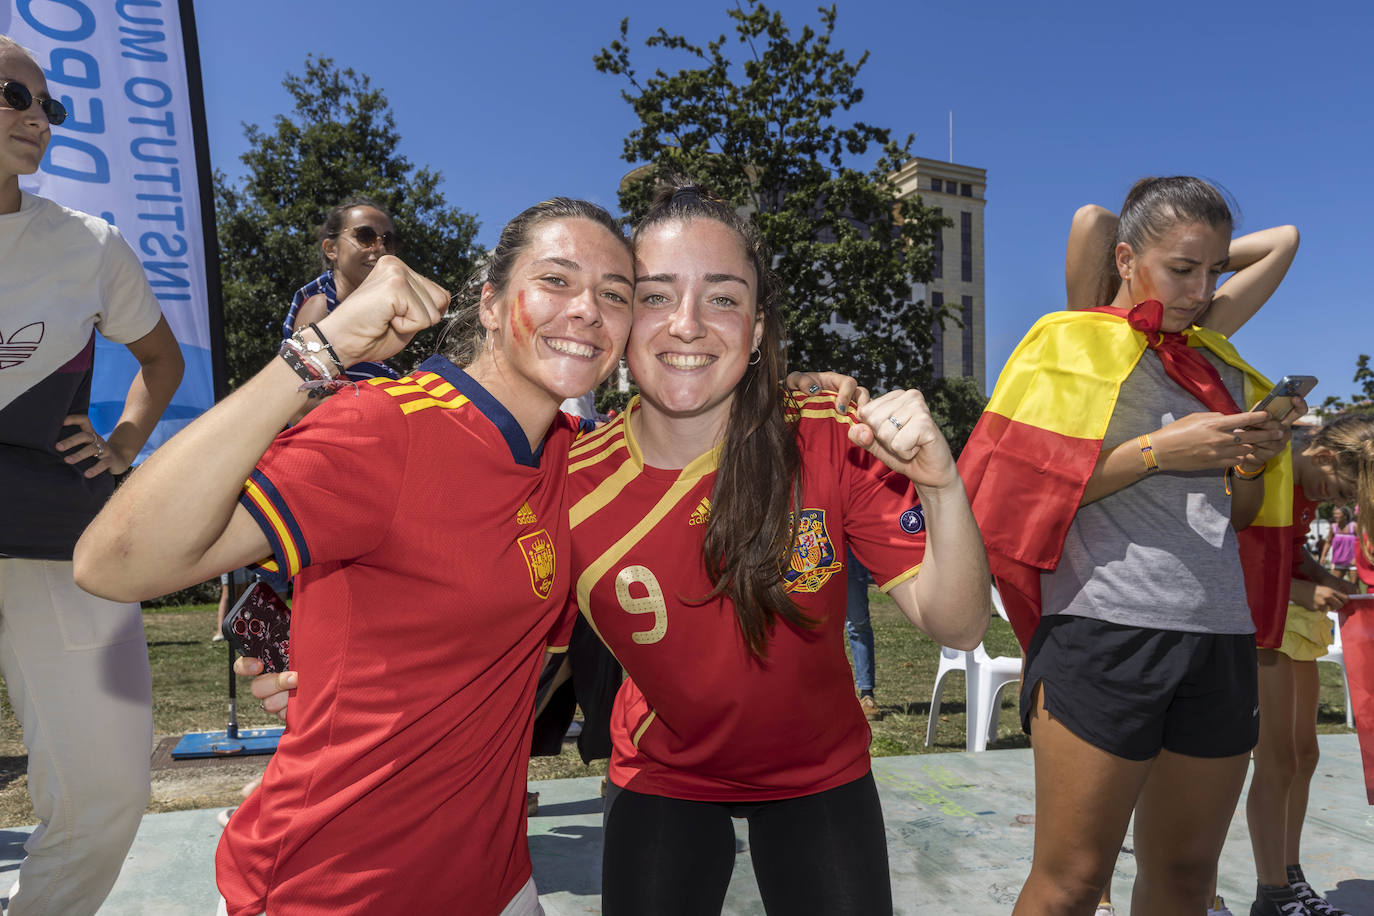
x=1147, y=454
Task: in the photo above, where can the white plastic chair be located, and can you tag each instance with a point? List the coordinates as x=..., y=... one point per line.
x=1337, y=657
x=985, y=678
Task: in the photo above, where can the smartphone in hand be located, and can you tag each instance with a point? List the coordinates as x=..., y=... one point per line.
x=1279, y=401
x=259, y=626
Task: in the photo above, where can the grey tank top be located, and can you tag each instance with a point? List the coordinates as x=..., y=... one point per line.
x=1160, y=553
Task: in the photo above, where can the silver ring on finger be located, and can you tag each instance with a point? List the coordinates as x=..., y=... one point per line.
x=1237, y=438
x=895, y=422
x=99, y=448
x=813, y=389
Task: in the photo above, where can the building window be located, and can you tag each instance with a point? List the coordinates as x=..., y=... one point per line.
x=965, y=190
x=937, y=349
x=966, y=315
x=938, y=254
x=936, y=184
x=966, y=247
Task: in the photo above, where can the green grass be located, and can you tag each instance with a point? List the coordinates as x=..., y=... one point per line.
x=190, y=694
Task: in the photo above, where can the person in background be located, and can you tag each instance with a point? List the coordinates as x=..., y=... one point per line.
x=76, y=665
x=859, y=629
x=1339, y=551
x=353, y=236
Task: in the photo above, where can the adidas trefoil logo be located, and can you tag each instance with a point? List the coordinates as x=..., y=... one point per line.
x=525, y=516
x=701, y=514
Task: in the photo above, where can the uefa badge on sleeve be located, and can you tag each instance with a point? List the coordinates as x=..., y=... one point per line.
x=913, y=520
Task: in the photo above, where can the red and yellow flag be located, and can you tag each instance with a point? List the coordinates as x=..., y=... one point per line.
x=1030, y=456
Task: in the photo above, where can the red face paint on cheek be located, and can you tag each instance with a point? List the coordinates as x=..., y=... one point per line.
x=522, y=326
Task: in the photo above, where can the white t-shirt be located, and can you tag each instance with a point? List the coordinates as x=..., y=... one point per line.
x=63, y=276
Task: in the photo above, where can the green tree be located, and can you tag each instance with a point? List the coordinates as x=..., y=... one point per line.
x=1361, y=400
x=764, y=134
x=339, y=141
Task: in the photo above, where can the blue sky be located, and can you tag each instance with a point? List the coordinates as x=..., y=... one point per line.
x=1062, y=103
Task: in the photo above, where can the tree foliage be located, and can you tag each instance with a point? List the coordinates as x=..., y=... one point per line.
x=1361, y=400
x=763, y=132
x=339, y=141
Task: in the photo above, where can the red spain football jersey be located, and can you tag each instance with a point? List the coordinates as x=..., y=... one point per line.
x=699, y=718
x=430, y=552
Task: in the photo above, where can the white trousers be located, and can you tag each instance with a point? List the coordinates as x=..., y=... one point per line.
x=77, y=671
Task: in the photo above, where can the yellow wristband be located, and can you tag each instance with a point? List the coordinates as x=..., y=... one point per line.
x=1147, y=453
x=1243, y=474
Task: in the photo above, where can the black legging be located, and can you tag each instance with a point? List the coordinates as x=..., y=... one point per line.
x=824, y=854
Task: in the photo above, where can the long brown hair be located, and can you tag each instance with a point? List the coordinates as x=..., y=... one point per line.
x=752, y=524
x=1351, y=441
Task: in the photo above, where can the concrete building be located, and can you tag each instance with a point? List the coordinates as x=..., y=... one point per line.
x=959, y=191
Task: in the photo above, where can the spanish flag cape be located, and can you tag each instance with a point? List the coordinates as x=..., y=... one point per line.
x=1030, y=456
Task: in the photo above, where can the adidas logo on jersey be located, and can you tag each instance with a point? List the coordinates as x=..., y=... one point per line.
x=525, y=516
x=701, y=514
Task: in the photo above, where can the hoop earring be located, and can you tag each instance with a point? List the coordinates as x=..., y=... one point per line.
x=755, y=356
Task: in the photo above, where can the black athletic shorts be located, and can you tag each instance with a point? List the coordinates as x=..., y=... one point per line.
x=1133, y=691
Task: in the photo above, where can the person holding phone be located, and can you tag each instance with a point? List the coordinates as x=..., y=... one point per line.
x=353, y=236
x=425, y=524
x=75, y=665
x=1125, y=586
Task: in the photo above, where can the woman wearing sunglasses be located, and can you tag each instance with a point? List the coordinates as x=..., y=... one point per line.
x=352, y=237
x=76, y=665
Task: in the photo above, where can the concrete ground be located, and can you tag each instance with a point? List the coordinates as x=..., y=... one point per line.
x=959, y=829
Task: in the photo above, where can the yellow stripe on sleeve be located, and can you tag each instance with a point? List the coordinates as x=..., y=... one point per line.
x=279, y=526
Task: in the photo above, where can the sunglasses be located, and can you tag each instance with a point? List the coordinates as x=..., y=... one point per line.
x=18, y=97
x=366, y=237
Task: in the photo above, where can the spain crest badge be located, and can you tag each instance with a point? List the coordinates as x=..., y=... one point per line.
x=539, y=557
x=811, y=561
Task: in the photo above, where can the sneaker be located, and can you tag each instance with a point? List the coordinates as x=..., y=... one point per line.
x=1104, y=909
x=1278, y=902
x=1314, y=901
x=531, y=804
x=224, y=815
x=1218, y=908
x=872, y=712
x=218, y=637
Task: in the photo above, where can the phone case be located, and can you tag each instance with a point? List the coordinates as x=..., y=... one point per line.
x=259, y=626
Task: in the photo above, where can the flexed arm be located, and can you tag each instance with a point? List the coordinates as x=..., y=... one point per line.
x=177, y=520
x=950, y=599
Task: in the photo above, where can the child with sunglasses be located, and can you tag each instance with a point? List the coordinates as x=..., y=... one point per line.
x=76, y=666
x=352, y=237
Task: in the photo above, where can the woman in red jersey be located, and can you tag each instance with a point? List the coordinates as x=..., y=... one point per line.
x=710, y=523
x=424, y=520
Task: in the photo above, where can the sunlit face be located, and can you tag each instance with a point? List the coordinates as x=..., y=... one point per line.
x=24, y=135
x=562, y=320
x=1180, y=269
x=1340, y=516
x=696, y=317
x=348, y=255
x=1315, y=473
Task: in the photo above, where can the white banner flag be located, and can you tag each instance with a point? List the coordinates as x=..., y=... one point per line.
x=127, y=153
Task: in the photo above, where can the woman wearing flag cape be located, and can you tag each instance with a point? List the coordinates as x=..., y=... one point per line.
x=1110, y=475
